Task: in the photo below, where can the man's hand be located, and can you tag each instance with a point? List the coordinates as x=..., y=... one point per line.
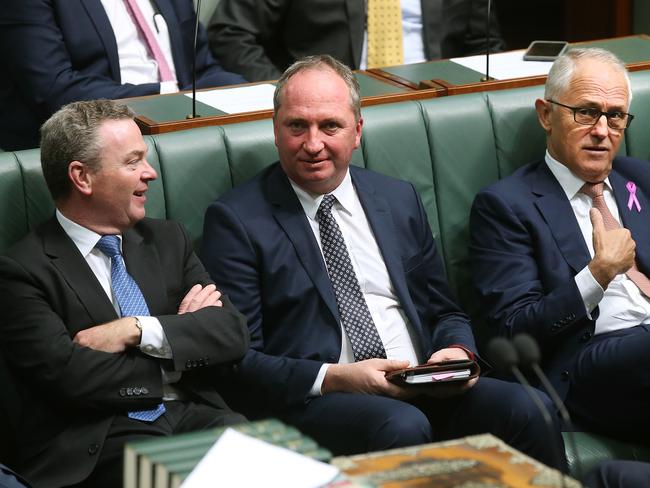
x=614, y=250
x=450, y=389
x=448, y=354
x=199, y=297
x=368, y=376
x=113, y=336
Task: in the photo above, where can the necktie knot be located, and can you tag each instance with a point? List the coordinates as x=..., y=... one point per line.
x=326, y=205
x=109, y=245
x=593, y=190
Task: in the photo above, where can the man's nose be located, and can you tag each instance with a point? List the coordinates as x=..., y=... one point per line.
x=313, y=143
x=600, y=128
x=149, y=173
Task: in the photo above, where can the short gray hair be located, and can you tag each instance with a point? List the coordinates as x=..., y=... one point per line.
x=72, y=134
x=564, y=66
x=319, y=62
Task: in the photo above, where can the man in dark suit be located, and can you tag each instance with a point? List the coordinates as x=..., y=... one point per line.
x=260, y=38
x=329, y=321
x=55, y=52
x=550, y=257
x=104, y=349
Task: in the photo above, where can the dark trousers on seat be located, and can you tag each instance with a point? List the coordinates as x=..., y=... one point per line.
x=610, y=384
x=180, y=417
x=348, y=423
x=618, y=474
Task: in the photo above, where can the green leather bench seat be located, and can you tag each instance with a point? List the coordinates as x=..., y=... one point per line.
x=449, y=147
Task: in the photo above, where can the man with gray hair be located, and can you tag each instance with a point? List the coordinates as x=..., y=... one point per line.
x=561, y=248
x=307, y=250
x=110, y=326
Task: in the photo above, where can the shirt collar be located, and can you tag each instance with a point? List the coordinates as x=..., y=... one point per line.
x=85, y=239
x=310, y=202
x=569, y=182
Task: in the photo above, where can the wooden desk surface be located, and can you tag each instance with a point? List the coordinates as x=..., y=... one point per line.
x=166, y=113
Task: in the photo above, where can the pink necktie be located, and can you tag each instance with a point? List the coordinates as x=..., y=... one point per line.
x=595, y=191
x=150, y=38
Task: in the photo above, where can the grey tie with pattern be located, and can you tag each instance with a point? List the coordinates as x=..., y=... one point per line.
x=353, y=309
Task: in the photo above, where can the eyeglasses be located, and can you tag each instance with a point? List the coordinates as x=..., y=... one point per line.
x=591, y=116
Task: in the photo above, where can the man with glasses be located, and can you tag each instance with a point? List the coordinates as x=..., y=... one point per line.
x=561, y=248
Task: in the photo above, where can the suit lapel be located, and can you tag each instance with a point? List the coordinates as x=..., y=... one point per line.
x=290, y=216
x=67, y=259
x=379, y=216
x=99, y=18
x=556, y=209
x=143, y=264
x=635, y=221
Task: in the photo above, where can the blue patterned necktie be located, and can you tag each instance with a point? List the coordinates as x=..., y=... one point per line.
x=131, y=303
x=353, y=309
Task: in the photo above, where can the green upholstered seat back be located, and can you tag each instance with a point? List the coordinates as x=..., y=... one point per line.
x=394, y=143
x=462, y=151
x=638, y=135
x=13, y=216
x=194, y=172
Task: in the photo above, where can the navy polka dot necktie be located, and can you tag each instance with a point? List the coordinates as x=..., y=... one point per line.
x=353, y=309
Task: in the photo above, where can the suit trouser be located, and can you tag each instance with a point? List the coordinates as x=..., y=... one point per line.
x=180, y=417
x=9, y=479
x=618, y=474
x=348, y=423
x=610, y=384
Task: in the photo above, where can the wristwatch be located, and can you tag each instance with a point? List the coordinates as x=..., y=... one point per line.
x=138, y=324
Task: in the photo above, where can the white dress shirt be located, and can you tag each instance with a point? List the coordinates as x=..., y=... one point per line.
x=153, y=341
x=411, y=34
x=621, y=305
x=397, y=337
x=137, y=66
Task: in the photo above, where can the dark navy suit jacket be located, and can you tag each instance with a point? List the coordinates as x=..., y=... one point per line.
x=58, y=51
x=259, y=247
x=526, y=247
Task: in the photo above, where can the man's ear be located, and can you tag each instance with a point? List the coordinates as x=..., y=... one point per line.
x=80, y=177
x=357, y=129
x=543, y=109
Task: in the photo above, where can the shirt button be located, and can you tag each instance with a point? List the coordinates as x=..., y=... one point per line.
x=93, y=449
x=148, y=348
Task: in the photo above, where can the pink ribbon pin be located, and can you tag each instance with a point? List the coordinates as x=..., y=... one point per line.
x=633, y=200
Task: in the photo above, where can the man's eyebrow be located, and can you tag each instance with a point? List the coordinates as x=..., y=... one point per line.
x=137, y=152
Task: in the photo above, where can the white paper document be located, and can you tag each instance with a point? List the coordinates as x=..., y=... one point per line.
x=238, y=100
x=506, y=65
x=240, y=460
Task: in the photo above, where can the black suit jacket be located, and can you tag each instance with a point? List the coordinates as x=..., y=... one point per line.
x=259, y=247
x=70, y=394
x=260, y=38
x=54, y=52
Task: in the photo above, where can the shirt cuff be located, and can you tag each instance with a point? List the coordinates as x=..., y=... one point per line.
x=153, y=341
x=590, y=290
x=168, y=87
x=318, y=382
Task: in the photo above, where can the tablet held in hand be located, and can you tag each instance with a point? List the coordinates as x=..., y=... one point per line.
x=444, y=372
